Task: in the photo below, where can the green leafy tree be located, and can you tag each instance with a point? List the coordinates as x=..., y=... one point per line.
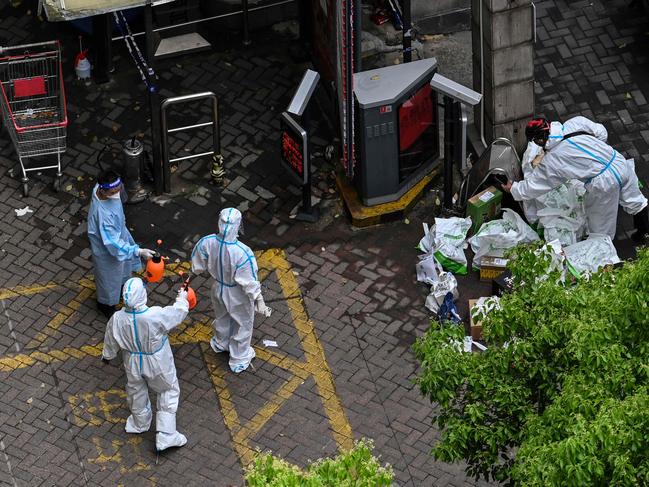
x=561, y=396
x=355, y=468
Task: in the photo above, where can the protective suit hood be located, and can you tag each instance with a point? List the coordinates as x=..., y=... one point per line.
x=556, y=134
x=229, y=224
x=134, y=293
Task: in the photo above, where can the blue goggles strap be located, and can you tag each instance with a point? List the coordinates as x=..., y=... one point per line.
x=112, y=185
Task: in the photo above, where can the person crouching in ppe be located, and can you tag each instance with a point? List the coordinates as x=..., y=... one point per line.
x=115, y=254
x=236, y=291
x=140, y=333
x=577, y=149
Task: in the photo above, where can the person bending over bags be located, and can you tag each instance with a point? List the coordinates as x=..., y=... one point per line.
x=577, y=149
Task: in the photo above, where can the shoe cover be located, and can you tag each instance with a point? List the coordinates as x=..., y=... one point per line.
x=215, y=347
x=132, y=428
x=169, y=440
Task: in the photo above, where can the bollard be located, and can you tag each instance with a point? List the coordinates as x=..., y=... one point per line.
x=133, y=152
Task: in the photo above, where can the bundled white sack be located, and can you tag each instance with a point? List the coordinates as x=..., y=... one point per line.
x=428, y=269
x=562, y=214
x=438, y=291
x=590, y=255
x=497, y=236
x=450, y=242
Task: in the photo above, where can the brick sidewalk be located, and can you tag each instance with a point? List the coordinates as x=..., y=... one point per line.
x=352, y=291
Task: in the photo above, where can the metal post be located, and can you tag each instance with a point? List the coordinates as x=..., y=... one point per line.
x=102, y=32
x=246, y=34
x=407, y=32
x=448, y=152
x=349, y=81
x=154, y=103
x=307, y=213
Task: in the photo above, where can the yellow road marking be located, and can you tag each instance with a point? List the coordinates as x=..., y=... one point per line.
x=313, y=350
x=315, y=364
x=62, y=316
x=83, y=406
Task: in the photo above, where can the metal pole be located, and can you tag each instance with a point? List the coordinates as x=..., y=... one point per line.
x=349, y=81
x=407, y=34
x=154, y=105
x=246, y=34
x=102, y=26
x=448, y=152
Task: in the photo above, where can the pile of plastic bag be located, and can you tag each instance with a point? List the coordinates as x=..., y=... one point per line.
x=443, y=246
x=496, y=236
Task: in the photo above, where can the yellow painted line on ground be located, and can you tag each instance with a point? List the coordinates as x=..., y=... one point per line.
x=19, y=361
x=315, y=364
x=313, y=350
x=228, y=411
x=61, y=317
x=250, y=429
x=27, y=290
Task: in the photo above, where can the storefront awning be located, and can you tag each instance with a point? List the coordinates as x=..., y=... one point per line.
x=60, y=10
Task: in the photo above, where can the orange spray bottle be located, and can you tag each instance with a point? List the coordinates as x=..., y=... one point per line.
x=191, y=295
x=155, y=267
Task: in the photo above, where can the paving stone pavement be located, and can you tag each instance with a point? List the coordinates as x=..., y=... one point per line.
x=63, y=411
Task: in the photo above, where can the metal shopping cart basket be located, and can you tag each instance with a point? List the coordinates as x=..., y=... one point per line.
x=32, y=98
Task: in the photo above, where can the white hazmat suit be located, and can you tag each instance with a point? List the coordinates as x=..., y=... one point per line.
x=236, y=291
x=140, y=333
x=609, y=178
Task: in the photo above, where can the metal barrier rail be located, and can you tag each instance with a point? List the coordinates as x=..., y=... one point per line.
x=215, y=123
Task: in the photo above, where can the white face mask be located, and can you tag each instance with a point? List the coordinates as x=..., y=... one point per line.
x=115, y=196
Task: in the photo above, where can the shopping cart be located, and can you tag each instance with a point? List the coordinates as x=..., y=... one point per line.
x=33, y=104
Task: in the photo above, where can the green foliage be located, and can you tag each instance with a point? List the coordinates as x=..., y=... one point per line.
x=561, y=396
x=357, y=467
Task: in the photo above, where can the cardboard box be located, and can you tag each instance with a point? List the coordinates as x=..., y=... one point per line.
x=483, y=207
x=476, y=326
x=491, y=267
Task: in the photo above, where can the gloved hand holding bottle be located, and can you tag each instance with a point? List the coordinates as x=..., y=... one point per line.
x=146, y=254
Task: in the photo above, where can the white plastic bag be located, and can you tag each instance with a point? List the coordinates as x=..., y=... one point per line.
x=449, y=237
x=428, y=269
x=591, y=254
x=427, y=241
x=439, y=289
x=497, y=236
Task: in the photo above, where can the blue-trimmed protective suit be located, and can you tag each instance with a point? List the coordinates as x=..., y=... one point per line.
x=609, y=178
x=114, y=252
x=236, y=287
x=140, y=333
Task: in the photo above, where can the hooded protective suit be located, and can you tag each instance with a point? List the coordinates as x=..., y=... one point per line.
x=609, y=178
x=114, y=252
x=233, y=267
x=141, y=334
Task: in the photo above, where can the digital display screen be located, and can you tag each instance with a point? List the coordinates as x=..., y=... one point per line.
x=292, y=153
x=293, y=148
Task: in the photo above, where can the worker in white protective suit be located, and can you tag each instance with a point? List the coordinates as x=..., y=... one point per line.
x=236, y=291
x=577, y=149
x=140, y=333
x=115, y=254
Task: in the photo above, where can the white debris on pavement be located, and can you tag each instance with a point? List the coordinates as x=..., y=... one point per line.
x=23, y=211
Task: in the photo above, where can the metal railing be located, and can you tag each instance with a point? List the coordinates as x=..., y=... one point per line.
x=215, y=123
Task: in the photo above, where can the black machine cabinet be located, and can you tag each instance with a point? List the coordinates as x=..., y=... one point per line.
x=397, y=130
